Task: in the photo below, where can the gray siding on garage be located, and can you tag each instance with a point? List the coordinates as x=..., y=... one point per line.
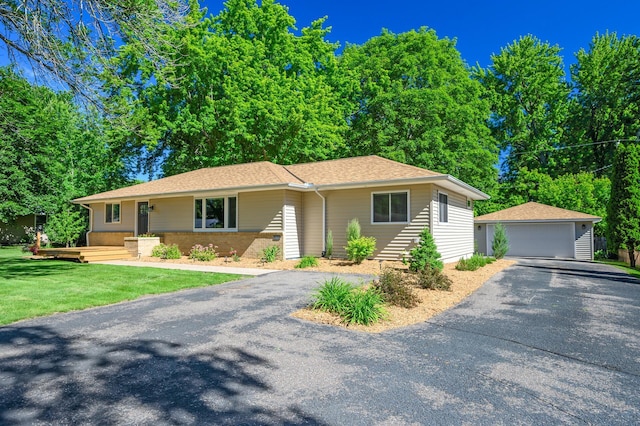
x=584, y=241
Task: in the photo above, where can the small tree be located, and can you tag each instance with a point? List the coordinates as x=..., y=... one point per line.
x=353, y=230
x=425, y=254
x=65, y=226
x=623, y=211
x=500, y=244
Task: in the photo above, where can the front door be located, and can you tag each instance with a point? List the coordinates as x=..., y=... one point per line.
x=143, y=218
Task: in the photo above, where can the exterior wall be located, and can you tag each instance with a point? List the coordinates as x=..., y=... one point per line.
x=292, y=225
x=247, y=244
x=171, y=215
x=391, y=239
x=108, y=238
x=481, y=238
x=13, y=232
x=261, y=211
x=584, y=241
x=127, y=219
x=312, y=237
x=454, y=238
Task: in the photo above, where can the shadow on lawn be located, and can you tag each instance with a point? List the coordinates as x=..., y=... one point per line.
x=22, y=267
x=50, y=378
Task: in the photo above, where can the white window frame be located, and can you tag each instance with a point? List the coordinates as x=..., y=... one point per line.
x=106, y=206
x=405, y=191
x=204, y=207
x=446, y=194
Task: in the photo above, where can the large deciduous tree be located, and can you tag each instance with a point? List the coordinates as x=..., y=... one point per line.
x=412, y=100
x=529, y=97
x=624, y=205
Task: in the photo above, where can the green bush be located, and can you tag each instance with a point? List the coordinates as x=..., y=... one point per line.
x=363, y=307
x=307, y=262
x=329, y=245
x=164, y=251
x=270, y=254
x=360, y=248
x=425, y=254
x=432, y=279
x=332, y=296
x=203, y=253
x=473, y=263
x=353, y=230
x=500, y=244
x=395, y=290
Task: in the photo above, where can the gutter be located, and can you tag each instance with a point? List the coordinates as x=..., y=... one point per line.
x=90, y=222
x=324, y=219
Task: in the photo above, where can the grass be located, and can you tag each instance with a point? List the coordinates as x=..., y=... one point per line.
x=622, y=265
x=31, y=288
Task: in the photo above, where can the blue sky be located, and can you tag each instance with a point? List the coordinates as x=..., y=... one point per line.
x=480, y=27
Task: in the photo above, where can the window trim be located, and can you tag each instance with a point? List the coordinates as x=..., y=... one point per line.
x=225, y=197
x=119, y=213
x=446, y=194
x=400, y=191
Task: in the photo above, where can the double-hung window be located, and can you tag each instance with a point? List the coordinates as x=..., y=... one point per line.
x=443, y=207
x=112, y=213
x=390, y=207
x=211, y=213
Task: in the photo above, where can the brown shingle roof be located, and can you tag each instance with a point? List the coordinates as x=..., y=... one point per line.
x=535, y=212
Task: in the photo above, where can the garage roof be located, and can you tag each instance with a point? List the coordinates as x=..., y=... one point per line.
x=536, y=212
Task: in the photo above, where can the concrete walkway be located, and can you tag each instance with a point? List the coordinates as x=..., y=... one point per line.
x=191, y=267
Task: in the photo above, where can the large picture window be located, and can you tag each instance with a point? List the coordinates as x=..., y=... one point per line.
x=215, y=213
x=390, y=207
x=443, y=202
x=112, y=213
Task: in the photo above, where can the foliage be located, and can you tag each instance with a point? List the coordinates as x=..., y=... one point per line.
x=394, y=287
x=147, y=235
x=475, y=262
x=353, y=230
x=332, y=296
x=432, y=279
x=624, y=205
x=270, y=254
x=360, y=248
x=500, y=243
x=363, y=307
x=307, y=262
x=203, y=253
x=234, y=255
x=65, y=227
x=412, y=100
x=329, y=244
x=164, y=251
x=529, y=97
x=425, y=254
x=27, y=292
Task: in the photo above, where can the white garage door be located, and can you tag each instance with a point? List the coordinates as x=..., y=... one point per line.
x=541, y=240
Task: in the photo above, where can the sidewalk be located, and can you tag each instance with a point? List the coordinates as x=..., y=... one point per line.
x=189, y=267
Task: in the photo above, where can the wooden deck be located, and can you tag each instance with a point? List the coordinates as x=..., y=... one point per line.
x=86, y=254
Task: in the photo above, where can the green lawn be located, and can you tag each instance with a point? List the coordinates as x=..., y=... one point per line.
x=624, y=266
x=32, y=288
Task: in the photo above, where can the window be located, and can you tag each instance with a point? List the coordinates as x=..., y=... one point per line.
x=390, y=207
x=443, y=201
x=112, y=213
x=215, y=213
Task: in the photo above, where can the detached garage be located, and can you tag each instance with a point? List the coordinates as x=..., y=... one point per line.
x=538, y=230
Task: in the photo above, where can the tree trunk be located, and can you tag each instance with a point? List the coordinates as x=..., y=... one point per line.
x=632, y=257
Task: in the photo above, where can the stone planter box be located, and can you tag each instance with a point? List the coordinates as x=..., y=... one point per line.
x=141, y=246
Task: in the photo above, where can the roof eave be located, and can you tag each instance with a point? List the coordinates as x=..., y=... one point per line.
x=581, y=219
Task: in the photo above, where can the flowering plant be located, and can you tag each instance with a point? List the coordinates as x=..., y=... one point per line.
x=203, y=253
x=234, y=255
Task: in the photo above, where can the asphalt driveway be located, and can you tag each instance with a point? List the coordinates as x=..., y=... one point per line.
x=544, y=342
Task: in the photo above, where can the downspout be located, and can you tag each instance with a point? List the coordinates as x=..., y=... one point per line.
x=324, y=219
x=90, y=222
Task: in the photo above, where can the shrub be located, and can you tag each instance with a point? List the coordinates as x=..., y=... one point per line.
x=500, y=244
x=353, y=230
x=307, y=262
x=473, y=263
x=360, y=248
x=432, y=279
x=164, y=251
x=332, y=296
x=269, y=254
x=395, y=290
x=203, y=253
x=329, y=245
x=425, y=254
x=363, y=307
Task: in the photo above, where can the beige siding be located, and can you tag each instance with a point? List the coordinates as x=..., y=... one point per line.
x=391, y=239
x=292, y=225
x=127, y=218
x=260, y=211
x=312, y=237
x=454, y=238
x=171, y=214
x=584, y=241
